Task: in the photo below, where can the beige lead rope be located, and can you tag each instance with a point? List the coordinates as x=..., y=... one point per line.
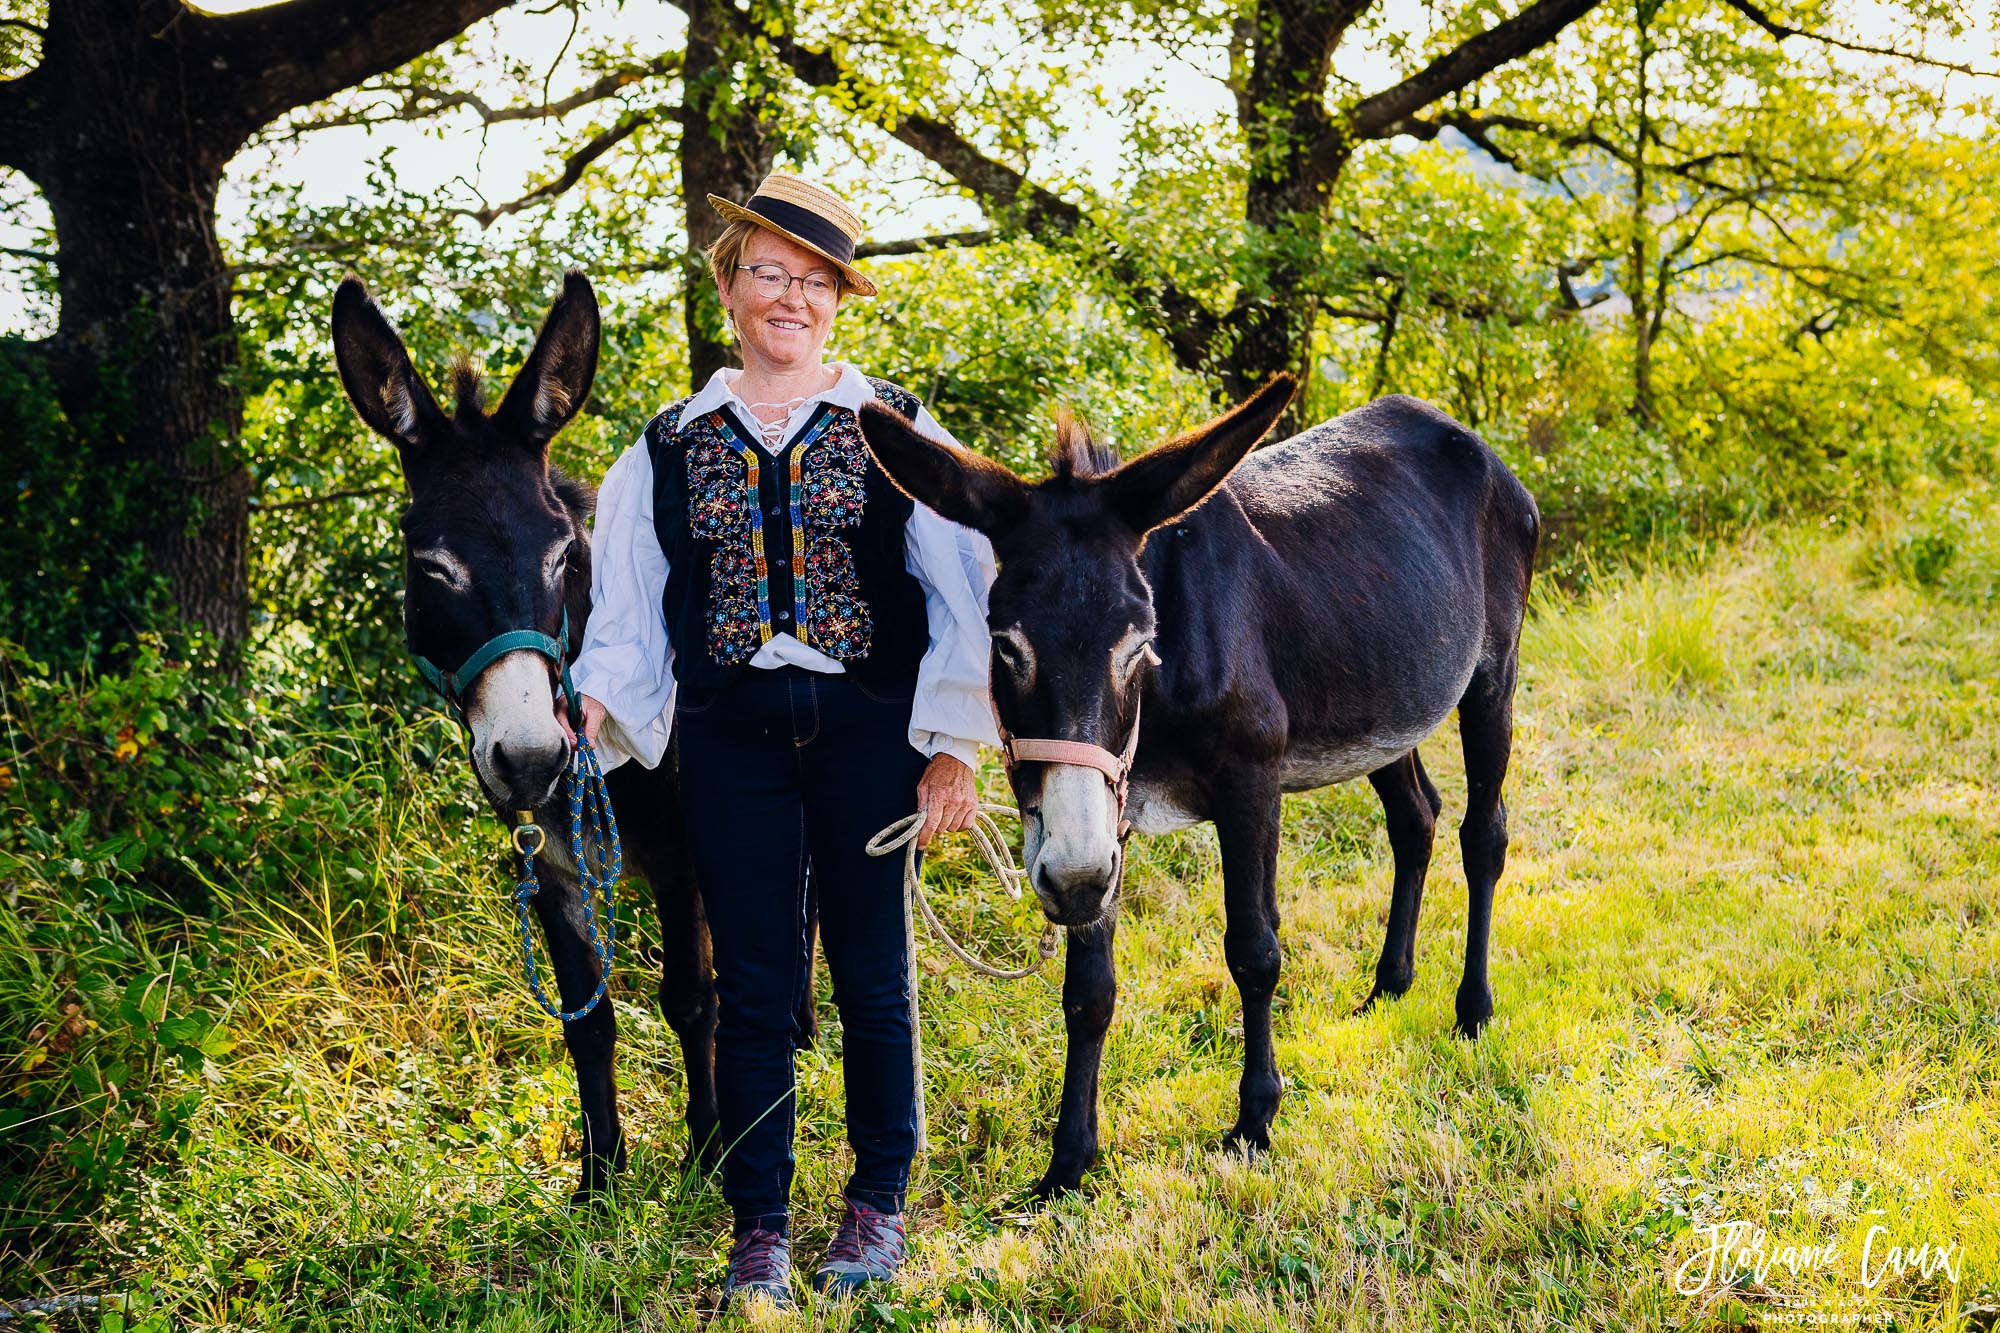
x=986, y=836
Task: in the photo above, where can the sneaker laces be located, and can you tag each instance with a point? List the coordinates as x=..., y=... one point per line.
x=757, y=1256
x=861, y=1230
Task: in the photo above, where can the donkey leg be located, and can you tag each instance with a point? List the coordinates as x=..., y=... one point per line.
x=1430, y=788
x=1090, y=993
x=656, y=844
x=591, y=1038
x=687, y=1001
x=1246, y=822
x=1486, y=725
x=1412, y=819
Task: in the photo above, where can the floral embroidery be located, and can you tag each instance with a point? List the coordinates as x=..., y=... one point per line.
x=836, y=476
x=662, y=427
x=895, y=396
x=824, y=490
x=836, y=618
x=718, y=506
x=734, y=632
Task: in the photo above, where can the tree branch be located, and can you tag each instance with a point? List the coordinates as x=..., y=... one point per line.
x=271, y=60
x=917, y=245
x=1187, y=326
x=573, y=168
x=1377, y=117
x=1569, y=270
x=1781, y=31
x=421, y=101
x=307, y=502
x=1478, y=126
x=39, y=256
x=1358, y=314
x=25, y=26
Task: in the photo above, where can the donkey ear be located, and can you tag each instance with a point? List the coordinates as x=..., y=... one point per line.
x=964, y=487
x=376, y=372
x=552, y=387
x=1162, y=484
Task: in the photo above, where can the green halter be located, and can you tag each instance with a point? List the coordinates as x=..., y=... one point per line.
x=453, y=684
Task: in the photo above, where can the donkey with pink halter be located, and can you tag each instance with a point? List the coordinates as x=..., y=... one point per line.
x=1289, y=618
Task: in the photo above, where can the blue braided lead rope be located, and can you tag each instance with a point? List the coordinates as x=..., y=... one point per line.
x=589, y=807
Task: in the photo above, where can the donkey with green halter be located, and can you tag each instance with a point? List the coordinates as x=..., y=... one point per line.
x=497, y=599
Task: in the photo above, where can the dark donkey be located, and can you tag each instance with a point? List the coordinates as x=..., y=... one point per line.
x=499, y=541
x=1304, y=620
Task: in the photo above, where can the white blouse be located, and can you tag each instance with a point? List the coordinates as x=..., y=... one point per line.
x=626, y=661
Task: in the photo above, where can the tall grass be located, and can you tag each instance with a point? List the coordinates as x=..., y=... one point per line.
x=1746, y=961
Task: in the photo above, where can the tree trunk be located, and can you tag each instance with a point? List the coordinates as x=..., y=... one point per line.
x=1644, y=318
x=1285, y=124
x=126, y=124
x=725, y=151
x=144, y=345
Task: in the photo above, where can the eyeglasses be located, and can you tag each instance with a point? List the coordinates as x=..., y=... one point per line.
x=772, y=281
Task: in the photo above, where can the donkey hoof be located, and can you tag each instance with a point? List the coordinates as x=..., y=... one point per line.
x=1250, y=1142
x=591, y=1200
x=1061, y=1178
x=702, y=1160
x=1475, y=1010
x=1378, y=992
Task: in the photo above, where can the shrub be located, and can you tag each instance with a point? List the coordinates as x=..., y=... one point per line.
x=105, y=1023
x=74, y=582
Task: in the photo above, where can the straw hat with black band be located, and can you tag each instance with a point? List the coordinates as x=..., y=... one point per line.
x=805, y=214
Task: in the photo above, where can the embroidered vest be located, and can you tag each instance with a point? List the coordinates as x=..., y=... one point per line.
x=808, y=543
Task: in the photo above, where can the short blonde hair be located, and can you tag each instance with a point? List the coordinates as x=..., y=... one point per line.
x=726, y=252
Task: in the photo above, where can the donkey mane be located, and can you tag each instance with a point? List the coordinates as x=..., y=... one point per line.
x=578, y=498
x=1076, y=453
x=469, y=388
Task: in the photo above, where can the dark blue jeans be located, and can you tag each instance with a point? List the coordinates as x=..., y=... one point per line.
x=788, y=768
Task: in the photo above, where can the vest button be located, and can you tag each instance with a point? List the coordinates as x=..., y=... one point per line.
x=784, y=564
x=774, y=511
x=784, y=615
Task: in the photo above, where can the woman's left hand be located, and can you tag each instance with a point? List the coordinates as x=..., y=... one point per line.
x=948, y=794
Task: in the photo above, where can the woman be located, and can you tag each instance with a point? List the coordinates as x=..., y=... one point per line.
x=819, y=640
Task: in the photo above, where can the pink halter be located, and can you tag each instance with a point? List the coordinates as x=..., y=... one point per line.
x=1116, y=768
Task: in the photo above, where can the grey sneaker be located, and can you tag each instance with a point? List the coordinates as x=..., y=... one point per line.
x=760, y=1264
x=867, y=1247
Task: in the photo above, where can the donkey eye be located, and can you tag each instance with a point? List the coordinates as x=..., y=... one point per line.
x=1013, y=650
x=558, y=558
x=443, y=566
x=1132, y=654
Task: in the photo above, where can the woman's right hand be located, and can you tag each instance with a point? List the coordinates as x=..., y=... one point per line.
x=593, y=717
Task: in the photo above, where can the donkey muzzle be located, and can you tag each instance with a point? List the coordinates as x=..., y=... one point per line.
x=518, y=746
x=1071, y=850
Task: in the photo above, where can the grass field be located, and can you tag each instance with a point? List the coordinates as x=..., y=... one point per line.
x=1746, y=966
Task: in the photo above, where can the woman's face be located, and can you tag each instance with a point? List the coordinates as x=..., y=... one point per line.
x=781, y=333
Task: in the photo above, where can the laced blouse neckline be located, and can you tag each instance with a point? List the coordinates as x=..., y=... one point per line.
x=771, y=433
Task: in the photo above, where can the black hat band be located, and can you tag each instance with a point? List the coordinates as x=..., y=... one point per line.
x=805, y=224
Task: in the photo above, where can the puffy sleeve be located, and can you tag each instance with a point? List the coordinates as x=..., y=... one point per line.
x=626, y=662
x=953, y=711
